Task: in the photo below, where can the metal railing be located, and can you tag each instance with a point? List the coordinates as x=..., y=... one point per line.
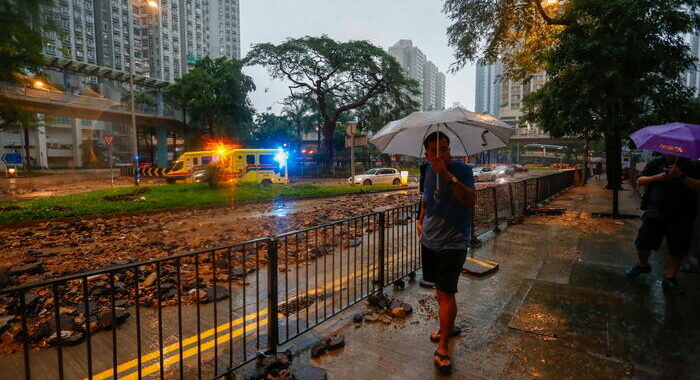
x=205, y=314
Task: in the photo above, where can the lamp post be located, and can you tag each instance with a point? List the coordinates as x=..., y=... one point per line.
x=152, y=4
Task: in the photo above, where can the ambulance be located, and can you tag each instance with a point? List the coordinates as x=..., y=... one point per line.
x=263, y=166
x=190, y=164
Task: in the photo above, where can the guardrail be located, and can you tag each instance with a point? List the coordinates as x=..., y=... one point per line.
x=207, y=313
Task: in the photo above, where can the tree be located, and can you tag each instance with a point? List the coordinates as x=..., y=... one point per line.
x=302, y=112
x=215, y=95
x=21, y=45
x=616, y=68
x=339, y=76
x=516, y=32
x=272, y=131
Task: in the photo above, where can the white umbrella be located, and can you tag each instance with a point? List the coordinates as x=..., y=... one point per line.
x=469, y=132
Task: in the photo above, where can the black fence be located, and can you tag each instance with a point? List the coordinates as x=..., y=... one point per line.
x=205, y=314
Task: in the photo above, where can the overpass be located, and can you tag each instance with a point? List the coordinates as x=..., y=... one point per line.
x=85, y=107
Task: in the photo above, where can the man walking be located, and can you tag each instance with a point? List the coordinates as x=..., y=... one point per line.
x=444, y=227
x=670, y=205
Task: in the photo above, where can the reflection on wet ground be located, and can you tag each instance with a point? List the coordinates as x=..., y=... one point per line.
x=559, y=308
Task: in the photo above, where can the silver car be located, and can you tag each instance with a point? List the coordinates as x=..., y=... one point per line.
x=378, y=176
x=484, y=174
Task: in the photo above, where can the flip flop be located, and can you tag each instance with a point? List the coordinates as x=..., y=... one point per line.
x=444, y=368
x=435, y=337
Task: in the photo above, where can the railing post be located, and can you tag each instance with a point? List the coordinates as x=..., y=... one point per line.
x=495, y=208
x=537, y=191
x=512, y=200
x=272, y=297
x=381, y=253
x=525, y=197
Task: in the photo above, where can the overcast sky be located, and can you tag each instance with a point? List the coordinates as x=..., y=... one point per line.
x=382, y=22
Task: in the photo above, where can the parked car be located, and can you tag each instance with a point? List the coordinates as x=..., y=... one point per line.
x=378, y=176
x=503, y=171
x=484, y=174
x=519, y=168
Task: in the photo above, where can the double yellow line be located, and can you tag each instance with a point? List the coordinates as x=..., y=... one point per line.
x=250, y=325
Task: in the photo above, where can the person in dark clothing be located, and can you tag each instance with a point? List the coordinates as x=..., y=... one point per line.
x=670, y=205
x=598, y=170
x=425, y=255
x=444, y=227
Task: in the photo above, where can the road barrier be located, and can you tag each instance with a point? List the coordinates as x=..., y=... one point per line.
x=209, y=312
x=128, y=171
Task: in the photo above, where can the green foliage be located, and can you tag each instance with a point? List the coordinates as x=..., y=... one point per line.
x=214, y=176
x=337, y=77
x=165, y=197
x=21, y=45
x=615, y=69
x=215, y=96
x=271, y=131
x=516, y=32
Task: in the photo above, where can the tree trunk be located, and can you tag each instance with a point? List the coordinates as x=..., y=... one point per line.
x=585, y=161
x=328, y=129
x=613, y=170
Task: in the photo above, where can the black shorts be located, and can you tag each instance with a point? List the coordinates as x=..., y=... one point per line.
x=443, y=267
x=678, y=234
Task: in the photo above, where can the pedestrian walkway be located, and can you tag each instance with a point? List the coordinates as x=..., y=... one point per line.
x=559, y=308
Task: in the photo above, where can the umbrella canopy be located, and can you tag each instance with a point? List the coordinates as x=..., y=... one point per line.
x=469, y=132
x=678, y=139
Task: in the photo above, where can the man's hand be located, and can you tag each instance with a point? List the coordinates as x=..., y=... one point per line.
x=440, y=166
x=419, y=228
x=673, y=172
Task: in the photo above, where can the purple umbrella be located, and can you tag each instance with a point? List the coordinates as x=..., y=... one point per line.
x=678, y=139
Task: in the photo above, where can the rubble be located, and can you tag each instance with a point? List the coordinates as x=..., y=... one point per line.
x=330, y=343
x=46, y=250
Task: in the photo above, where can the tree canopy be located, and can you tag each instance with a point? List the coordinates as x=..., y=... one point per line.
x=21, y=45
x=616, y=68
x=214, y=95
x=516, y=32
x=338, y=76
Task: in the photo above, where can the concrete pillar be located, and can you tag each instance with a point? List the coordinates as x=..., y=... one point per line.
x=159, y=103
x=77, y=140
x=42, y=152
x=161, y=147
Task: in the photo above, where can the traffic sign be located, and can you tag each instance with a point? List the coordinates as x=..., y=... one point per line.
x=109, y=139
x=12, y=158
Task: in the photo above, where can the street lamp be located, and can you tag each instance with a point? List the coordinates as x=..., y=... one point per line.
x=134, y=137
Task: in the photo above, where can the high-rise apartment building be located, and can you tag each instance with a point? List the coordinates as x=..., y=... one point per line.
x=513, y=92
x=162, y=38
x=488, y=95
x=692, y=76
x=411, y=60
x=429, y=86
x=417, y=67
x=440, y=91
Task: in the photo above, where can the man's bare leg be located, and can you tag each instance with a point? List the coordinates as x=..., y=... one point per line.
x=447, y=315
x=643, y=255
x=673, y=264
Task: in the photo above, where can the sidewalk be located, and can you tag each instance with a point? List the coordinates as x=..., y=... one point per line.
x=559, y=308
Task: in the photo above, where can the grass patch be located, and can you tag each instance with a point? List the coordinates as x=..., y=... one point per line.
x=160, y=198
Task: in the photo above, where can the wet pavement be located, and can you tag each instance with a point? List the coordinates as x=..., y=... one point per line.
x=560, y=307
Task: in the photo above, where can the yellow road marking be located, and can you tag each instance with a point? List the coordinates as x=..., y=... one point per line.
x=191, y=352
x=174, y=348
